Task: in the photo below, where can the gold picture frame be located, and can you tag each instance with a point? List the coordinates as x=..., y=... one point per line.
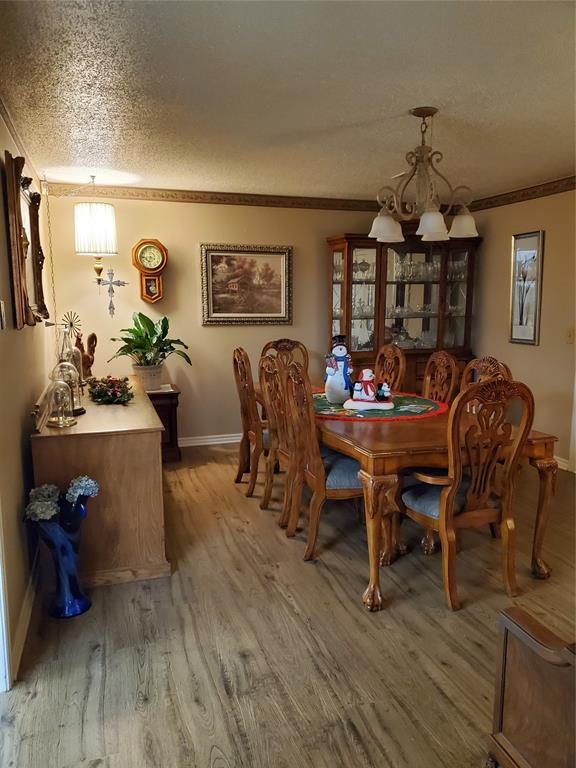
x=246, y=284
x=26, y=255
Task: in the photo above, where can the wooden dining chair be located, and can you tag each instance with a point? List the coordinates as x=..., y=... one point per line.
x=480, y=435
x=390, y=367
x=482, y=368
x=328, y=474
x=440, y=377
x=272, y=378
x=288, y=351
x=254, y=435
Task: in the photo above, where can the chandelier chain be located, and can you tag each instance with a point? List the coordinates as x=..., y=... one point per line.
x=51, y=263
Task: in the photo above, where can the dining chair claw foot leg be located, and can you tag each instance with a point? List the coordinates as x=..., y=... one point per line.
x=427, y=543
x=386, y=558
x=372, y=598
x=540, y=570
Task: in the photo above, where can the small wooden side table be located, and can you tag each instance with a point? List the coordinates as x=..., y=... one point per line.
x=165, y=402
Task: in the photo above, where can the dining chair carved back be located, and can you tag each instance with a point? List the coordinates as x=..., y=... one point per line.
x=482, y=368
x=440, y=377
x=390, y=367
x=481, y=435
x=287, y=351
x=272, y=379
x=253, y=430
x=328, y=474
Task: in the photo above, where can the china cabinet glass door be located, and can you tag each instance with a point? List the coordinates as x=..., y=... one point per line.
x=338, y=293
x=363, y=300
x=456, y=299
x=412, y=298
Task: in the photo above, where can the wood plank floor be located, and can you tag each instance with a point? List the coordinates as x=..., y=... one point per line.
x=247, y=657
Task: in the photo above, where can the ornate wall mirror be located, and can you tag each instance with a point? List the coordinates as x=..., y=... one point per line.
x=27, y=258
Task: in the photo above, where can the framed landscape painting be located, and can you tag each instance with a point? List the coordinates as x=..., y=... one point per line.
x=246, y=284
x=526, y=291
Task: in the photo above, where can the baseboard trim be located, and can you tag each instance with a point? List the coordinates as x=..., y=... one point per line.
x=23, y=623
x=188, y=442
x=563, y=464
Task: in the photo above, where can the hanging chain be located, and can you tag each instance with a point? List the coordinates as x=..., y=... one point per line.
x=51, y=263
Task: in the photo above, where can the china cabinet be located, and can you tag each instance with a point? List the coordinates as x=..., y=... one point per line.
x=414, y=294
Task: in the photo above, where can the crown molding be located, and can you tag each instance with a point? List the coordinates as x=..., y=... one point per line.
x=5, y=115
x=152, y=194
x=215, y=198
x=528, y=193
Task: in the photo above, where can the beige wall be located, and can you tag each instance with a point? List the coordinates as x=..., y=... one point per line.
x=208, y=404
x=21, y=381
x=549, y=367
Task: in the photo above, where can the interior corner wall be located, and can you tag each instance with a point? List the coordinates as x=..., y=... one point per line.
x=548, y=369
x=21, y=381
x=209, y=403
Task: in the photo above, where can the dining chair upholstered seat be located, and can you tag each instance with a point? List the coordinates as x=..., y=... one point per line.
x=341, y=471
x=425, y=499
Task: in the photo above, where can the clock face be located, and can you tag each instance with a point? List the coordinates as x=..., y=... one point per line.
x=150, y=257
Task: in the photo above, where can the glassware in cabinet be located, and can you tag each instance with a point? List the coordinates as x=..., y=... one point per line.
x=363, y=299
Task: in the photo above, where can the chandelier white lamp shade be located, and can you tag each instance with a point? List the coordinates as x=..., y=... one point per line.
x=463, y=224
x=417, y=196
x=386, y=229
x=95, y=232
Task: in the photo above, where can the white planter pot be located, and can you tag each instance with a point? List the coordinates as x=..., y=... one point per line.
x=149, y=375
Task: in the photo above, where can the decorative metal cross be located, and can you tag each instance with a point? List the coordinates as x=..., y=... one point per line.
x=111, y=283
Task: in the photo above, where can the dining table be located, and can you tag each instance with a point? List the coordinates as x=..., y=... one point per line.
x=387, y=449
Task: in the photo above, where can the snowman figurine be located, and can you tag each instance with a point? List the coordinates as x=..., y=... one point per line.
x=365, y=388
x=337, y=382
x=364, y=395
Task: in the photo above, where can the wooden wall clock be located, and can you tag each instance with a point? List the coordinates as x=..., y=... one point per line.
x=150, y=258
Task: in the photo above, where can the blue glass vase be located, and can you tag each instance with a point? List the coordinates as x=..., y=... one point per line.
x=63, y=540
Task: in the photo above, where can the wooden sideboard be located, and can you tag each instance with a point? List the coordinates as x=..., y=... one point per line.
x=120, y=447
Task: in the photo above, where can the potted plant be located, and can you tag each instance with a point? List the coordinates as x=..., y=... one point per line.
x=146, y=343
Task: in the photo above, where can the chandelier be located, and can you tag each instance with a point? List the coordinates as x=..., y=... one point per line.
x=416, y=196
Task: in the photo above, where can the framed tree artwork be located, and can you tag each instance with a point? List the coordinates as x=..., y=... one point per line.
x=526, y=289
x=26, y=255
x=246, y=284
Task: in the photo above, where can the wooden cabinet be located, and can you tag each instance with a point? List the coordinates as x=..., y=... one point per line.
x=165, y=402
x=534, y=703
x=414, y=294
x=119, y=446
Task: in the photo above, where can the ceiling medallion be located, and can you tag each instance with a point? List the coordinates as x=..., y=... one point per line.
x=416, y=196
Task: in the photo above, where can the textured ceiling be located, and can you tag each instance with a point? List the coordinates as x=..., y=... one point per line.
x=297, y=98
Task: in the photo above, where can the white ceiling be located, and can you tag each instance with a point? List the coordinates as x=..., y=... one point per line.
x=297, y=98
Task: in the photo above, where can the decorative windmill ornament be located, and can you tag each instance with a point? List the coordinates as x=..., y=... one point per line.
x=70, y=322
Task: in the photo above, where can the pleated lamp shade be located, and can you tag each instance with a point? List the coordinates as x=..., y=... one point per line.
x=95, y=230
